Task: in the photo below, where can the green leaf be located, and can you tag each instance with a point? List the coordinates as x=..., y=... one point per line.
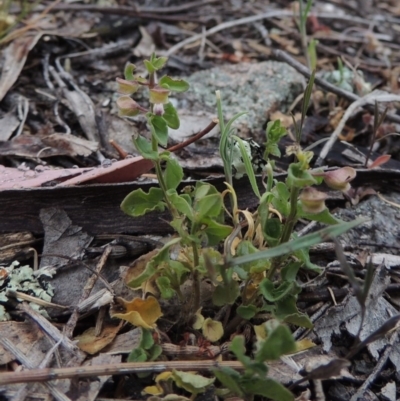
x=275, y=131
x=159, y=128
x=286, y=311
x=322, y=217
x=171, y=116
x=248, y=166
x=173, y=173
x=137, y=355
x=147, y=340
x=152, y=266
x=246, y=248
x=278, y=342
x=247, y=311
x=138, y=203
x=164, y=285
x=304, y=256
x=272, y=293
x=298, y=243
x=238, y=348
x=159, y=62
x=209, y=206
x=215, y=231
x=181, y=203
x=289, y=272
x=230, y=378
x=272, y=230
x=149, y=66
x=154, y=352
x=175, y=85
x=268, y=388
x=128, y=72
x=298, y=177
x=192, y=382
x=176, y=273
x=143, y=146
x=226, y=294
x=280, y=199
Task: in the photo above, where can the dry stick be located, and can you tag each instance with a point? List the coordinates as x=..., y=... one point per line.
x=375, y=96
x=280, y=54
x=23, y=390
x=367, y=100
x=131, y=11
x=70, y=326
x=227, y=25
x=39, y=375
x=360, y=392
x=48, y=328
x=194, y=138
x=248, y=20
x=9, y=346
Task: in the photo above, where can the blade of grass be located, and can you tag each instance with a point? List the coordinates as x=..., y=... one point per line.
x=298, y=243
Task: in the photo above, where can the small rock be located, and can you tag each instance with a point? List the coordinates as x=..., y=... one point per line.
x=256, y=88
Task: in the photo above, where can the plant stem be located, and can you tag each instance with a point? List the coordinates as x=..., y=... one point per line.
x=196, y=278
x=287, y=229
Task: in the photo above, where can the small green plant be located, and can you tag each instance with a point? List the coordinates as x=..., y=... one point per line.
x=251, y=257
x=308, y=49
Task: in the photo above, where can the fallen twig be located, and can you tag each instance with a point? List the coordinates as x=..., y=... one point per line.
x=302, y=69
x=40, y=375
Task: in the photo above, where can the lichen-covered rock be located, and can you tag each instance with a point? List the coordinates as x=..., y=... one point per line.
x=257, y=88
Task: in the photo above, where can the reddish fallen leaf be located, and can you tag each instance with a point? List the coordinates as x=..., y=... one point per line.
x=119, y=171
x=379, y=161
x=14, y=178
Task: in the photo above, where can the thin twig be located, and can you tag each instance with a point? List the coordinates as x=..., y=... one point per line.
x=40, y=375
x=194, y=138
x=70, y=326
x=360, y=392
x=48, y=328
x=302, y=69
x=9, y=346
x=227, y=25
x=370, y=99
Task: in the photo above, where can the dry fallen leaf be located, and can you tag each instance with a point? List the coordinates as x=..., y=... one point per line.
x=140, y=312
x=92, y=344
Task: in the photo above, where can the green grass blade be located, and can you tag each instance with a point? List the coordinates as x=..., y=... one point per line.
x=298, y=243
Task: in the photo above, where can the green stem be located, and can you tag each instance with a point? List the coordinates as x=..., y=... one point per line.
x=287, y=229
x=196, y=278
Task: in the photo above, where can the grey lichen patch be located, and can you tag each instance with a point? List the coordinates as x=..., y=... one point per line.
x=258, y=89
x=22, y=279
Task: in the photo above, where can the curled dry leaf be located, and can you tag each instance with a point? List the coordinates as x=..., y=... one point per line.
x=140, y=312
x=91, y=343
